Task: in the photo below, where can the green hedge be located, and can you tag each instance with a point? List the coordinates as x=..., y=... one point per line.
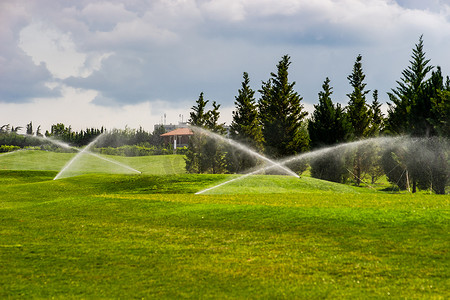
x=8, y=148
x=135, y=150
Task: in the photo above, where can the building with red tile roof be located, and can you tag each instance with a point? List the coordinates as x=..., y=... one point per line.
x=178, y=137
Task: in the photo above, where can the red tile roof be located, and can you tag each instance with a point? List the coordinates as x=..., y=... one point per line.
x=179, y=131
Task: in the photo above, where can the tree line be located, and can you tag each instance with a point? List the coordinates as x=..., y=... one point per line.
x=277, y=126
x=137, y=141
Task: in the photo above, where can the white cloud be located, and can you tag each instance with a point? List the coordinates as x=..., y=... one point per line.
x=52, y=47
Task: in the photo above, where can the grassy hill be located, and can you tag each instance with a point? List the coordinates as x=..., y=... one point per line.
x=86, y=163
x=149, y=236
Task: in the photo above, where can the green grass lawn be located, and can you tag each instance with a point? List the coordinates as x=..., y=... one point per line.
x=149, y=236
x=86, y=163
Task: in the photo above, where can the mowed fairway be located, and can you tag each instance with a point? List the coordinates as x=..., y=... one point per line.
x=149, y=236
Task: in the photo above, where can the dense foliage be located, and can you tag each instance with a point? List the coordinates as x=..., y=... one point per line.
x=126, y=142
x=275, y=125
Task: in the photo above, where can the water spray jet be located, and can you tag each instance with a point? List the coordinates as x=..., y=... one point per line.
x=85, y=150
x=310, y=155
x=247, y=150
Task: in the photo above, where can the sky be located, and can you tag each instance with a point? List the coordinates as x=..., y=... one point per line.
x=93, y=63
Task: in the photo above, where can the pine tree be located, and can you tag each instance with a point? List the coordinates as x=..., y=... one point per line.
x=212, y=153
x=357, y=113
x=328, y=124
x=212, y=119
x=245, y=128
x=198, y=117
x=29, y=130
x=413, y=111
x=405, y=113
x=282, y=114
x=205, y=155
x=376, y=117
x=327, y=127
x=322, y=121
x=371, y=152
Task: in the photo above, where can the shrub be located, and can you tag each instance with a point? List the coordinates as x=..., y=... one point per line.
x=8, y=148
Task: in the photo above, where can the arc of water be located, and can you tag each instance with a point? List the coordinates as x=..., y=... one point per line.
x=308, y=155
x=115, y=162
x=237, y=178
x=85, y=150
x=61, y=144
x=75, y=158
x=247, y=150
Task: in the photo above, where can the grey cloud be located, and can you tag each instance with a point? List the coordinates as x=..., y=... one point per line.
x=173, y=50
x=127, y=79
x=21, y=80
x=432, y=5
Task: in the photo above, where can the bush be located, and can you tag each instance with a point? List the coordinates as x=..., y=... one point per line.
x=135, y=150
x=8, y=148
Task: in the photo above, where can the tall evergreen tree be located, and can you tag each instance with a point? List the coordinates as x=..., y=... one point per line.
x=376, y=117
x=372, y=153
x=328, y=124
x=358, y=113
x=321, y=125
x=212, y=153
x=30, y=129
x=245, y=128
x=409, y=105
x=413, y=111
x=198, y=117
x=245, y=125
x=212, y=119
x=282, y=114
x=327, y=127
x=205, y=155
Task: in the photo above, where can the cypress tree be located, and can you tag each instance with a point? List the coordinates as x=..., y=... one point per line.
x=212, y=153
x=282, y=114
x=30, y=129
x=245, y=128
x=198, y=117
x=357, y=111
x=245, y=125
x=322, y=121
x=358, y=114
x=327, y=127
x=406, y=113
x=204, y=155
x=328, y=124
x=376, y=117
